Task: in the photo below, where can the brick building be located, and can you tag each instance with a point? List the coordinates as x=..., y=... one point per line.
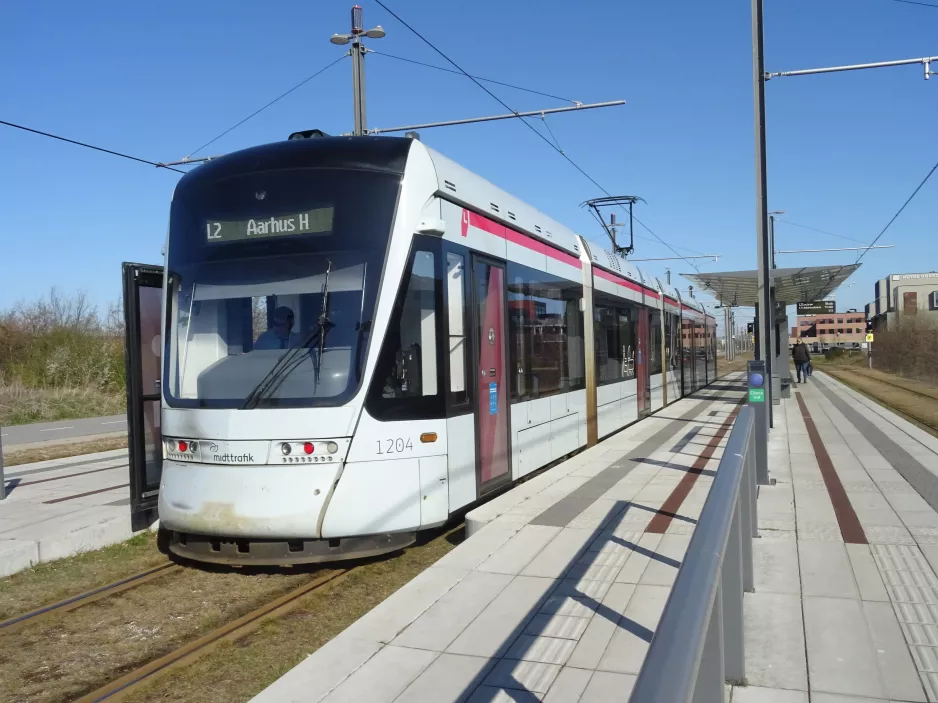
x=829, y=330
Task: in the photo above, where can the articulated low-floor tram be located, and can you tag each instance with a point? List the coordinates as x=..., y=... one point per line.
x=353, y=338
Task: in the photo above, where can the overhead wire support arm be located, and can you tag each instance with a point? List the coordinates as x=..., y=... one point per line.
x=925, y=61
x=491, y=118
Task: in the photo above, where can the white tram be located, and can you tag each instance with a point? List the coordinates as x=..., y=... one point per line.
x=359, y=337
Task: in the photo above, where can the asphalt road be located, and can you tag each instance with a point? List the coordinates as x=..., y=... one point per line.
x=63, y=429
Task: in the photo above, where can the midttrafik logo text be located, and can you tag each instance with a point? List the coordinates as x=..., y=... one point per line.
x=233, y=458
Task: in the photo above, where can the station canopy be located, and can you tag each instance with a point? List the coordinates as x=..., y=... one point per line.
x=792, y=285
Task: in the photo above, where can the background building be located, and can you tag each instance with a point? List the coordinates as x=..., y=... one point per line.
x=820, y=332
x=903, y=294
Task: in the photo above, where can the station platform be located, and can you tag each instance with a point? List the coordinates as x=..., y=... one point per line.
x=556, y=595
x=58, y=508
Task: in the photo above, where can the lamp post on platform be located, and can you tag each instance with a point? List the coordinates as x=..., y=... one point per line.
x=358, y=63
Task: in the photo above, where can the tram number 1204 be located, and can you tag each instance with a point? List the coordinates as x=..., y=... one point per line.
x=394, y=446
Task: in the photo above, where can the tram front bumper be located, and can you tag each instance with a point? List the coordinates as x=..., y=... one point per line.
x=253, y=552
x=256, y=502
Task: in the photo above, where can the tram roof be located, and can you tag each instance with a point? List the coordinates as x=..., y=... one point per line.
x=792, y=285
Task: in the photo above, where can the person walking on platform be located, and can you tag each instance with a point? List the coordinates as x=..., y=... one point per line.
x=802, y=357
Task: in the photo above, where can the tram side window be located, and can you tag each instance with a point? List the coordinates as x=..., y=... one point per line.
x=406, y=384
x=672, y=340
x=655, y=350
x=614, y=324
x=545, y=334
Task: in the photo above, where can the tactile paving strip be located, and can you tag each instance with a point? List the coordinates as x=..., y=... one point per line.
x=913, y=590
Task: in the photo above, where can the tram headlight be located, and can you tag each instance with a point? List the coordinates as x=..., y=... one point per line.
x=286, y=448
x=332, y=447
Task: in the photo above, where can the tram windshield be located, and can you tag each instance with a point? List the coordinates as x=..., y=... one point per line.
x=272, y=282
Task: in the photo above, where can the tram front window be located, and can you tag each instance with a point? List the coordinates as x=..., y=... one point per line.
x=278, y=320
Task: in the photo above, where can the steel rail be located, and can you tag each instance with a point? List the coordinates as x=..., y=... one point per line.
x=197, y=648
x=95, y=594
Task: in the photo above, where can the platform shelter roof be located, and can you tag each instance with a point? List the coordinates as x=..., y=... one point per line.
x=792, y=285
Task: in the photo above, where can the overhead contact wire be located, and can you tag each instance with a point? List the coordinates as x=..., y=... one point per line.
x=88, y=146
x=527, y=124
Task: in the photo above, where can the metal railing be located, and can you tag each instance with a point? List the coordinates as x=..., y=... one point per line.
x=698, y=644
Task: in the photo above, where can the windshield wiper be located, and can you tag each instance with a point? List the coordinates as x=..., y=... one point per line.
x=325, y=324
x=287, y=363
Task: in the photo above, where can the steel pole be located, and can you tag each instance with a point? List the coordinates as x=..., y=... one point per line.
x=726, y=333
x=665, y=362
x=358, y=85
x=763, y=250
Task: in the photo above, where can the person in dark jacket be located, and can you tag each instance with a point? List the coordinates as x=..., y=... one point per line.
x=802, y=357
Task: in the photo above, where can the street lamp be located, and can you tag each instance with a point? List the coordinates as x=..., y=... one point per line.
x=358, y=63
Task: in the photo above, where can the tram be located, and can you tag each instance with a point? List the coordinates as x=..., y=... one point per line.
x=353, y=338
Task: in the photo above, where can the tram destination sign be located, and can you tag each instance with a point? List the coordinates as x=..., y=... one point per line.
x=316, y=221
x=817, y=307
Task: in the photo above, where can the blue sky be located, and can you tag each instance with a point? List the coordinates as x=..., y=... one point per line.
x=159, y=79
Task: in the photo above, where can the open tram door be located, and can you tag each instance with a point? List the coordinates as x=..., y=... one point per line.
x=143, y=298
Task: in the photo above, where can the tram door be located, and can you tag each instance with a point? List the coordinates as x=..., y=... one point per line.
x=642, y=365
x=143, y=296
x=489, y=327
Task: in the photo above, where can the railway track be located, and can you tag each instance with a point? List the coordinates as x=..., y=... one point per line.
x=120, y=688
x=95, y=594
x=844, y=374
x=130, y=679
x=862, y=373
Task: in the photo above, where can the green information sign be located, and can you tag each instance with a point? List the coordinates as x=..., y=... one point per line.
x=757, y=395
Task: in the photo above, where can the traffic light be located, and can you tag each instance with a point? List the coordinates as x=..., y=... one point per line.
x=749, y=327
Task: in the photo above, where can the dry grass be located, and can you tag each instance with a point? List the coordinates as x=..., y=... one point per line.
x=240, y=670
x=922, y=410
x=65, y=657
x=724, y=367
x=21, y=405
x=52, y=581
x=16, y=457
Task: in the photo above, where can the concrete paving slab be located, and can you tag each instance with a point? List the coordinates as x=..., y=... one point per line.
x=495, y=694
x=490, y=634
x=775, y=565
x=442, y=623
x=406, y=604
x=775, y=644
x=867, y=576
x=607, y=686
x=523, y=675
x=448, y=678
x=629, y=644
x=314, y=677
x=521, y=548
x=841, y=655
x=758, y=694
x=896, y=668
x=826, y=570
x=383, y=677
x=569, y=685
